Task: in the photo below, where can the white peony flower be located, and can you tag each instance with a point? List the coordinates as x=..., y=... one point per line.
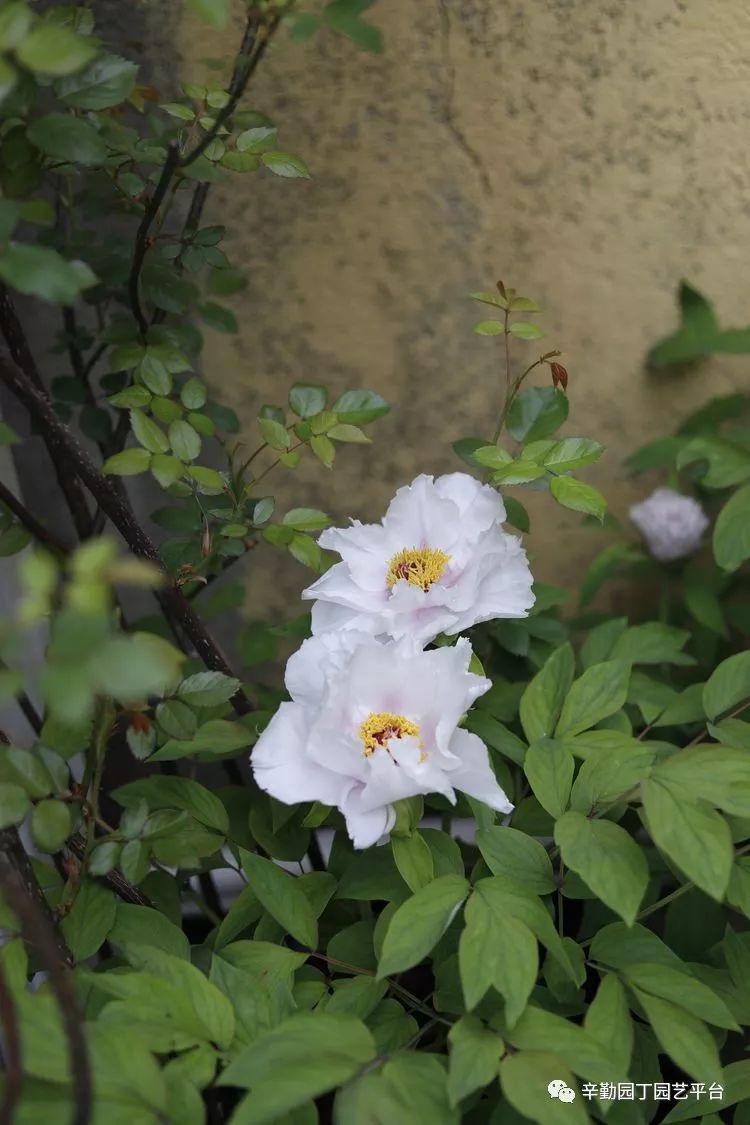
x=372, y=723
x=671, y=524
x=438, y=563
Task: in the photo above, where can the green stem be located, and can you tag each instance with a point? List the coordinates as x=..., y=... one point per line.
x=95, y=767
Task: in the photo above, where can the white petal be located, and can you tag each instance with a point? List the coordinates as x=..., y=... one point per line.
x=318, y=658
x=282, y=767
x=365, y=827
x=503, y=583
x=418, y=517
x=473, y=773
x=479, y=505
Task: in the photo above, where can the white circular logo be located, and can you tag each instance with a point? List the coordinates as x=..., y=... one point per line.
x=560, y=1090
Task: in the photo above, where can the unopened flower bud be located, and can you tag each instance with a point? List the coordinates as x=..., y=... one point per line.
x=559, y=376
x=671, y=524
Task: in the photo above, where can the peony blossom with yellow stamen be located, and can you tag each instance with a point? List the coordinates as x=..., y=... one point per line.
x=439, y=562
x=369, y=724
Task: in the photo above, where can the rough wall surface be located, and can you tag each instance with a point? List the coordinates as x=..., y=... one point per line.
x=591, y=153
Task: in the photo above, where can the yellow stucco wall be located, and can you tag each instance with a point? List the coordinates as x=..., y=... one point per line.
x=589, y=152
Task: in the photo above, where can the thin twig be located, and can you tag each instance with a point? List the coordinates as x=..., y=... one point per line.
x=62, y=441
x=142, y=240
x=30, y=522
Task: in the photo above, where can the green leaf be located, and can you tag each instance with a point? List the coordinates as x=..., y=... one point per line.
x=282, y=898
x=685, y=1039
x=346, y=433
x=419, y=923
x=523, y=330
x=563, y=456
x=652, y=643
x=213, y=12
x=307, y=399
x=283, y=164
x=218, y=317
x=14, y=804
x=578, y=496
x=207, y=689
x=608, y=773
x=306, y=519
x=154, y=374
x=607, y=1021
x=506, y=851
x=54, y=51
x=731, y=536
x=500, y=953
x=413, y=860
x=491, y=457
x=719, y=775
x=342, y=17
x=598, y=693
x=136, y=927
x=62, y=136
x=256, y=140
x=489, y=328
x=525, y=1076
x=475, y=1053
x=683, y=990
x=306, y=551
x=212, y=1009
x=150, y=436
x=172, y=792
x=323, y=448
x=302, y=1058
x=87, y=925
x=128, y=463
x=50, y=825
x=208, y=481
x=608, y=860
x=15, y=20
x=165, y=469
x=696, y=335
x=106, y=82
x=40, y=271
x=516, y=514
x=218, y=736
x=276, y=435
x=360, y=407
x=536, y=413
x=549, y=768
x=727, y=685
x=691, y=834
x=185, y=442
x=542, y=700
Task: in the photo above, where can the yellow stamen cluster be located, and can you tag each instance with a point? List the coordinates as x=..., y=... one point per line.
x=421, y=566
x=380, y=726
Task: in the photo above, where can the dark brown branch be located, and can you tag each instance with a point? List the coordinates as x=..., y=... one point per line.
x=116, y=507
x=44, y=939
x=11, y=1052
x=29, y=712
x=18, y=346
x=30, y=522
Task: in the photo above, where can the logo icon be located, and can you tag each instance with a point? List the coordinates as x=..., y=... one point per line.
x=560, y=1090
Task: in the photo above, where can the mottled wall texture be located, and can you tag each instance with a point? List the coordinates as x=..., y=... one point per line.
x=591, y=152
